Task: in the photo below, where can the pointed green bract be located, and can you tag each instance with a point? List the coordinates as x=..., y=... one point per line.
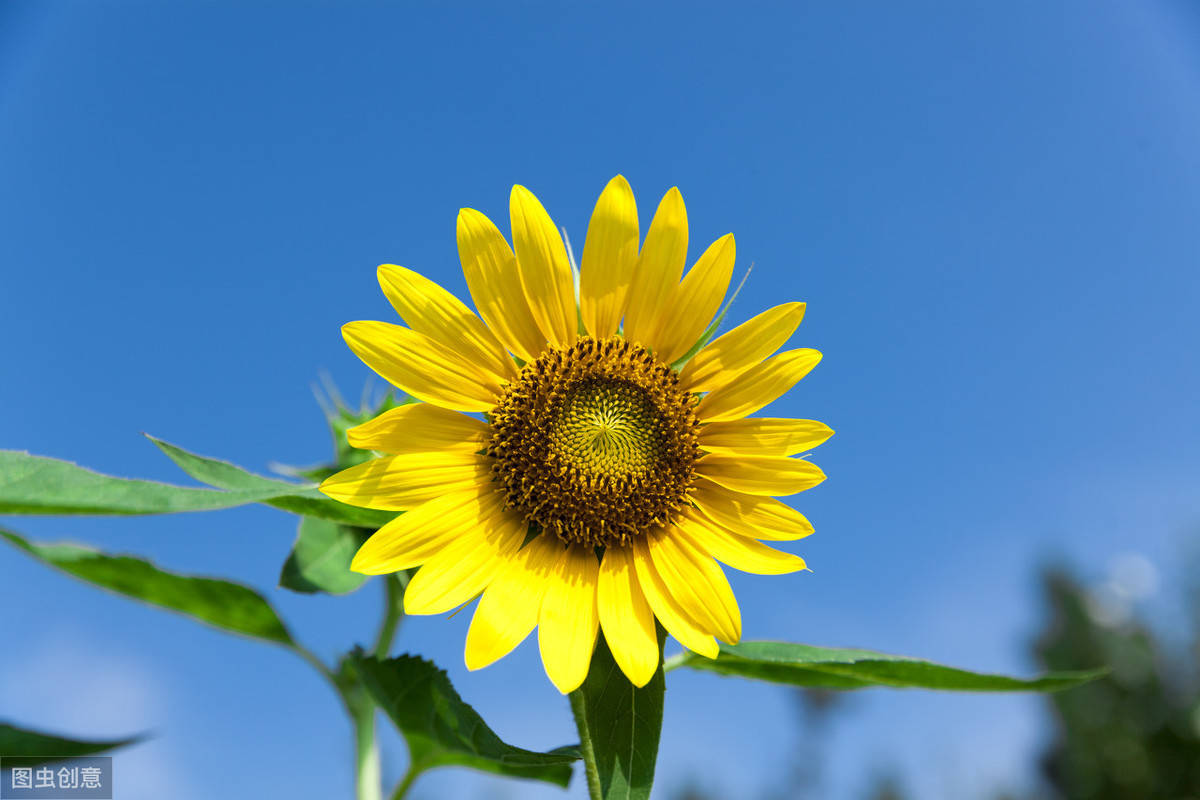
x=620, y=726
x=320, y=558
x=36, y=747
x=304, y=500
x=835, y=668
x=221, y=604
x=711, y=331
x=442, y=730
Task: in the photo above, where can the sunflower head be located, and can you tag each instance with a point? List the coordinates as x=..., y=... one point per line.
x=604, y=481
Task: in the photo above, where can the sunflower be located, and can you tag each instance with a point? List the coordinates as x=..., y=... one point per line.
x=608, y=467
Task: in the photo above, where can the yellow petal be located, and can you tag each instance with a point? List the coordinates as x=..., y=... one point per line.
x=696, y=300
x=687, y=631
x=433, y=311
x=544, y=268
x=421, y=367
x=738, y=552
x=568, y=620
x=757, y=386
x=398, y=483
x=609, y=256
x=658, y=270
x=765, y=475
x=420, y=428
x=733, y=353
x=509, y=608
x=626, y=617
x=495, y=284
x=749, y=515
x=463, y=569
x=759, y=436
x=697, y=583
x=412, y=539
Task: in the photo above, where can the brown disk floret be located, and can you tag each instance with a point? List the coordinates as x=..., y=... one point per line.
x=595, y=442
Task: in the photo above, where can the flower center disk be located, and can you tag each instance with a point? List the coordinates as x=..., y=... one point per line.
x=595, y=443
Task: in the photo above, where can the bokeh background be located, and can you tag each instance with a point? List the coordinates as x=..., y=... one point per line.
x=991, y=210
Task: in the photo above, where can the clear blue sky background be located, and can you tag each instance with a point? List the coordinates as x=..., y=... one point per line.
x=991, y=210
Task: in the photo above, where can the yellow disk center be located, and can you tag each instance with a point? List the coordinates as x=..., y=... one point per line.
x=608, y=427
x=596, y=442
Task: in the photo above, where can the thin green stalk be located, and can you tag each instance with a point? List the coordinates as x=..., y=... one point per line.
x=401, y=790
x=316, y=664
x=586, y=748
x=366, y=748
x=393, y=613
x=674, y=661
x=361, y=710
x=367, y=776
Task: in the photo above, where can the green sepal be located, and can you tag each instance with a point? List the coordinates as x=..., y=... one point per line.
x=711, y=331
x=620, y=724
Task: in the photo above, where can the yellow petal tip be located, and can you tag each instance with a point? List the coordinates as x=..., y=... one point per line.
x=415, y=609
x=569, y=685
x=368, y=566
x=477, y=663
x=641, y=677
x=329, y=487
x=621, y=181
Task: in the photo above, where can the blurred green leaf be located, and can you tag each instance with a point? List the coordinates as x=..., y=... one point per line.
x=833, y=668
x=221, y=604
x=623, y=723
x=304, y=500
x=41, y=748
x=320, y=558
x=442, y=730
x=1136, y=734
x=38, y=485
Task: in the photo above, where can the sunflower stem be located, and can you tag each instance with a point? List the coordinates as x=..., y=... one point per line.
x=586, y=746
x=368, y=778
x=367, y=775
x=393, y=612
x=401, y=790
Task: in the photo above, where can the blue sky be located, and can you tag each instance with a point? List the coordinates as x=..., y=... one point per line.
x=990, y=210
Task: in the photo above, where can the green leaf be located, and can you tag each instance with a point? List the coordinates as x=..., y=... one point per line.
x=35, y=747
x=833, y=668
x=38, y=485
x=442, y=730
x=620, y=724
x=298, y=499
x=221, y=604
x=32, y=484
x=320, y=558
